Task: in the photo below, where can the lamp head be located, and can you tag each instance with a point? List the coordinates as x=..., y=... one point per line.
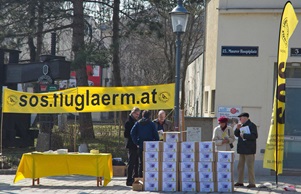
x=179, y=18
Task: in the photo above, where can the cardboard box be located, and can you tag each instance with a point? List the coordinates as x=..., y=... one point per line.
x=187, y=176
x=169, y=186
x=187, y=157
x=151, y=176
x=151, y=186
x=169, y=166
x=171, y=137
x=225, y=156
x=188, y=147
x=225, y=187
x=206, y=187
x=137, y=184
x=188, y=166
x=169, y=176
x=206, y=166
x=119, y=171
x=170, y=146
x=151, y=166
x=188, y=186
x=225, y=177
x=152, y=146
x=151, y=156
x=205, y=156
x=206, y=177
x=225, y=167
x=170, y=157
x=205, y=146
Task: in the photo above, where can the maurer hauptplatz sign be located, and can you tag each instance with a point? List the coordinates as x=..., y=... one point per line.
x=248, y=51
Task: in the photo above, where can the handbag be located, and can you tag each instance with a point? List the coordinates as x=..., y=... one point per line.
x=231, y=144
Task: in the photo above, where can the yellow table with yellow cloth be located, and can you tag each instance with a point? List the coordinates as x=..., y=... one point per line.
x=37, y=165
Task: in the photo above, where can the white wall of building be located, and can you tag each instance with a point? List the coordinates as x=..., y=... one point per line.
x=193, y=88
x=243, y=80
x=210, y=56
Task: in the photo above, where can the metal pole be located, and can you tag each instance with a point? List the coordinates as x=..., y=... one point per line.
x=177, y=79
x=180, y=2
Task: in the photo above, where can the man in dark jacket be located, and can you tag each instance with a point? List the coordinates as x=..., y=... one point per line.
x=132, y=168
x=246, y=131
x=143, y=130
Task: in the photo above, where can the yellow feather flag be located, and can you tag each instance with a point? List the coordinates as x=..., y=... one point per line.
x=273, y=156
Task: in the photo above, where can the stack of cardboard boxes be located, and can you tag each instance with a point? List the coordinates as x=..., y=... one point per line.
x=187, y=168
x=206, y=167
x=151, y=165
x=160, y=163
x=224, y=166
x=172, y=165
x=170, y=161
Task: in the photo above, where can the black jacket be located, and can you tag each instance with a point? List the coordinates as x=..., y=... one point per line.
x=127, y=132
x=249, y=145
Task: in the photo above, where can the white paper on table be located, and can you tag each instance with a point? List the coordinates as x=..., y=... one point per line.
x=245, y=130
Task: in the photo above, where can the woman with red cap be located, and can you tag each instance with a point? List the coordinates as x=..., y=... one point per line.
x=223, y=135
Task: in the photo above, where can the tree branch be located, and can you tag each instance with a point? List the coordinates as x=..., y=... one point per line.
x=103, y=3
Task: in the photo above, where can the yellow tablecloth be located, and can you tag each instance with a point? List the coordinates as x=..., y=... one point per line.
x=38, y=165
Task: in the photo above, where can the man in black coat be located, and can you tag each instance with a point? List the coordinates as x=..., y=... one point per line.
x=132, y=168
x=246, y=131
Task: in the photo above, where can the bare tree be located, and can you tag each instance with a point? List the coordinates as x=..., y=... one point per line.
x=148, y=44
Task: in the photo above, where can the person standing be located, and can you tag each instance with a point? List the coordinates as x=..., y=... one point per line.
x=132, y=167
x=223, y=135
x=246, y=131
x=162, y=123
x=143, y=130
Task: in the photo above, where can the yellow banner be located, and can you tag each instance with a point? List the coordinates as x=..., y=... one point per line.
x=273, y=156
x=90, y=99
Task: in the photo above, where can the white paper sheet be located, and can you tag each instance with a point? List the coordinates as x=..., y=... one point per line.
x=245, y=130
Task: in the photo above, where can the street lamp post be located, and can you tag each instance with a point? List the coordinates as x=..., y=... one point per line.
x=179, y=19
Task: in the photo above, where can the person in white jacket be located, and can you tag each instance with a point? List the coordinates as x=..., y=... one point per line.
x=223, y=135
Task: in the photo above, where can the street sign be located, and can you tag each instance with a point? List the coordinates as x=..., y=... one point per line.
x=295, y=52
x=247, y=51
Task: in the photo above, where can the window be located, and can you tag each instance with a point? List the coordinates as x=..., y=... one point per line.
x=212, y=101
x=206, y=101
x=293, y=70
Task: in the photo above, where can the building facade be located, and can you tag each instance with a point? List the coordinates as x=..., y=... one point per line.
x=240, y=61
x=193, y=88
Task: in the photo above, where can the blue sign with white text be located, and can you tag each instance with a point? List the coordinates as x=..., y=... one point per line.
x=248, y=51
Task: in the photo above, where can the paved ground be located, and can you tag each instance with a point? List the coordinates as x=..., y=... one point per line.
x=84, y=185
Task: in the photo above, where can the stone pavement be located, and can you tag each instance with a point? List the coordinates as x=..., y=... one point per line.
x=84, y=184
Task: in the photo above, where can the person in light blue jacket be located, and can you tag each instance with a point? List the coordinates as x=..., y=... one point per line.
x=143, y=130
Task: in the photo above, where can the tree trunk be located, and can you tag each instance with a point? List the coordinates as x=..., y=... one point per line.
x=32, y=48
x=40, y=29
x=78, y=42
x=115, y=44
x=115, y=49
